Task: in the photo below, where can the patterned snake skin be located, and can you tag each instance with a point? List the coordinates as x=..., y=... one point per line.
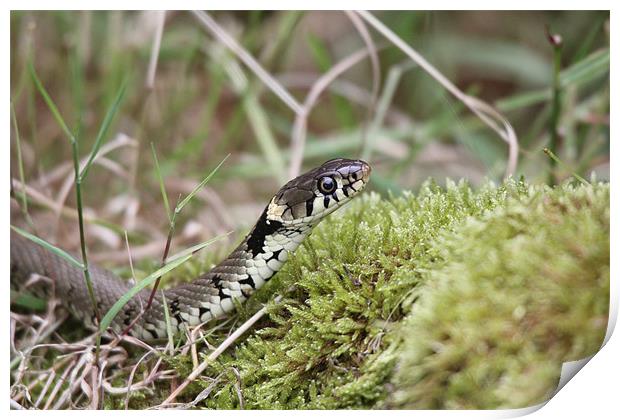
x=289, y=217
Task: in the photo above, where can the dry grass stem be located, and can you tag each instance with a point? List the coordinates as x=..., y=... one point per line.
x=345, y=88
x=483, y=110
x=219, y=350
x=157, y=35
x=301, y=120
x=374, y=62
x=219, y=32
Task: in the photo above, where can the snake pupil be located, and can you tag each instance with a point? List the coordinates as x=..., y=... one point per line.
x=327, y=185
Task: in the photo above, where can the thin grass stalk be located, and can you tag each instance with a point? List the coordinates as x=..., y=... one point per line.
x=157, y=36
x=166, y=265
x=85, y=269
x=219, y=350
x=168, y=323
x=248, y=60
x=375, y=67
x=164, y=257
x=557, y=161
x=177, y=210
x=556, y=43
x=20, y=166
x=393, y=78
x=79, y=177
x=80, y=212
x=301, y=120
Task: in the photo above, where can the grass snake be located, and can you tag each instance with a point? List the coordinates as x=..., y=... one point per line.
x=287, y=220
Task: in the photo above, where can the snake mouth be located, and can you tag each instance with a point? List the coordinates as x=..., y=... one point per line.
x=366, y=170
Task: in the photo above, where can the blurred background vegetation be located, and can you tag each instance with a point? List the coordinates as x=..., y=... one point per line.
x=203, y=104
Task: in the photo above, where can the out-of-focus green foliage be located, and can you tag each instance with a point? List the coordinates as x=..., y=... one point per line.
x=205, y=104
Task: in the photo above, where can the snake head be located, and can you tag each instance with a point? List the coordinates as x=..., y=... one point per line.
x=313, y=195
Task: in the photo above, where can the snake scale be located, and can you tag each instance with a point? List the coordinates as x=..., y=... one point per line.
x=287, y=220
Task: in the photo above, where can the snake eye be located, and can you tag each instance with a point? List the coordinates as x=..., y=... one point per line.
x=327, y=185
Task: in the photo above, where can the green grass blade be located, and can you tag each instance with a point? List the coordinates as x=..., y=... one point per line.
x=63, y=254
x=522, y=100
x=50, y=103
x=107, y=120
x=259, y=122
x=264, y=135
x=115, y=309
x=160, y=179
x=191, y=195
x=20, y=161
x=168, y=324
x=319, y=52
x=192, y=250
x=557, y=160
x=591, y=67
x=28, y=301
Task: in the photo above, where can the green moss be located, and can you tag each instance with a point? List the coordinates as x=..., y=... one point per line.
x=518, y=291
x=452, y=298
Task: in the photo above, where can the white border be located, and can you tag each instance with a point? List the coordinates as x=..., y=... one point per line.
x=593, y=392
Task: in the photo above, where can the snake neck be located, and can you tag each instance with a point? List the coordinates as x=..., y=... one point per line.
x=267, y=248
x=252, y=264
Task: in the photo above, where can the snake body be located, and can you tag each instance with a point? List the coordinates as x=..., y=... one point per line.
x=287, y=220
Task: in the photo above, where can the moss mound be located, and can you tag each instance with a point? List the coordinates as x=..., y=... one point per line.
x=452, y=298
x=518, y=291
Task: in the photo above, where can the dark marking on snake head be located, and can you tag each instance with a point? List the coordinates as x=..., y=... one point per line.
x=202, y=310
x=326, y=201
x=296, y=192
x=256, y=238
x=309, y=207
